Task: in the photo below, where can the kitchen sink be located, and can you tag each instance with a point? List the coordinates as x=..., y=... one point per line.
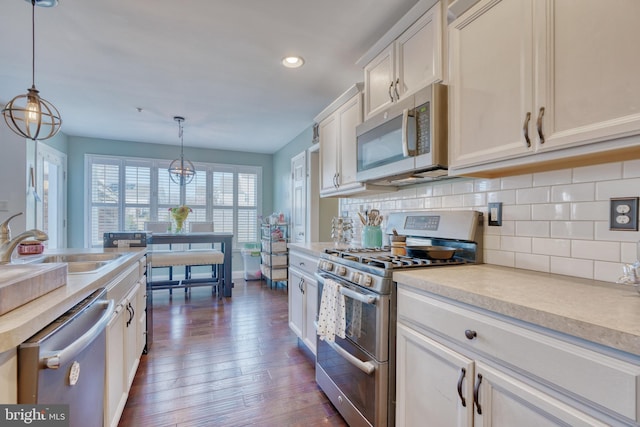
x=81, y=263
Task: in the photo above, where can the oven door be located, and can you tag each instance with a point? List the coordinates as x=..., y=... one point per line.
x=367, y=317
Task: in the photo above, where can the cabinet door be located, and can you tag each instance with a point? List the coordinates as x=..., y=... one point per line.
x=296, y=302
x=491, y=85
x=131, y=338
x=310, y=311
x=141, y=316
x=589, y=76
x=350, y=116
x=328, y=129
x=506, y=401
x=379, y=77
x=116, y=392
x=419, y=53
x=428, y=378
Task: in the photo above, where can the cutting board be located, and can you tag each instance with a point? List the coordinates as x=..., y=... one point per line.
x=21, y=283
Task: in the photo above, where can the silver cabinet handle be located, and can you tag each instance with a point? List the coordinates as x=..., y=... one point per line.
x=395, y=88
x=54, y=359
x=391, y=94
x=539, y=125
x=525, y=129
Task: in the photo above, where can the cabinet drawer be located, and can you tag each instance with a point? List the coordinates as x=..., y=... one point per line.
x=303, y=262
x=579, y=372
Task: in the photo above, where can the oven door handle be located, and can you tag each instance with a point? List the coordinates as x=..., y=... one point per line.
x=366, y=367
x=367, y=299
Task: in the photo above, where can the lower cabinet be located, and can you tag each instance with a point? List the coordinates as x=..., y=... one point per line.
x=125, y=341
x=457, y=366
x=303, y=297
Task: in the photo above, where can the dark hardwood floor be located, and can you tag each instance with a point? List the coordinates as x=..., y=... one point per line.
x=230, y=362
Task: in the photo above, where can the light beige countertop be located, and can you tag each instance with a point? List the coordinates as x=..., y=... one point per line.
x=19, y=324
x=604, y=313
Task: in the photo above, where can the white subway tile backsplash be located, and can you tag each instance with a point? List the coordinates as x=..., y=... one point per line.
x=572, y=229
x=619, y=188
x=486, y=184
x=462, y=187
x=584, y=192
x=515, y=244
x=572, y=267
x=504, y=258
x=604, y=233
x=516, y=212
x=555, y=211
x=556, y=221
x=533, y=262
x=631, y=169
x=596, y=173
x=507, y=197
x=533, y=195
x=552, y=178
x=474, y=199
x=532, y=228
x=453, y=201
x=607, y=271
x=600, y=251
x=554, y=247
x=513, y=182
x=590, y=211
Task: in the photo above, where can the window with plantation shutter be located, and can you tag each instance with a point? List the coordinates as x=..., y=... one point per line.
x=123, y=193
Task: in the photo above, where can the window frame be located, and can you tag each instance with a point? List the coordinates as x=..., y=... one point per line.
x=155, y=165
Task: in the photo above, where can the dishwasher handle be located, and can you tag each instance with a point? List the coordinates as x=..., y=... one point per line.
x=55, y=359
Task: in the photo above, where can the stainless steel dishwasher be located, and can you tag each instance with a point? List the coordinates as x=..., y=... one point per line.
x=64, y=363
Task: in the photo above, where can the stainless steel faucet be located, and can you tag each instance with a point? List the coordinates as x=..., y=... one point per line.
x=8, y=245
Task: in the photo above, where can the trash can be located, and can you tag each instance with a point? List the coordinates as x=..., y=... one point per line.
x=251, y=261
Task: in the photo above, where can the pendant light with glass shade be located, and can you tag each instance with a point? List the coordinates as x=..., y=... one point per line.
x=29, y=115
x=181, y=171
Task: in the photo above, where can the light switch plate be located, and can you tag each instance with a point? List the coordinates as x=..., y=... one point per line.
x=495, y=214
x=623, y=214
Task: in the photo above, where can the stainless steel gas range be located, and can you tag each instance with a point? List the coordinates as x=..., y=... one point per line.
x=357, y=373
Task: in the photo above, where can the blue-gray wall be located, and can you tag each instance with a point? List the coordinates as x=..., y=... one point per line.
x=77, y=147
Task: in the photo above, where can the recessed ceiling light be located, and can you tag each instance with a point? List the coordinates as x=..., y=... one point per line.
x=292, y=61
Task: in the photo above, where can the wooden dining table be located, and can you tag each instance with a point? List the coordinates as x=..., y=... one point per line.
x=225, y=240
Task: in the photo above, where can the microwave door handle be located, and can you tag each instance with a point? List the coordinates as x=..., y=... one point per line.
x=405, y=132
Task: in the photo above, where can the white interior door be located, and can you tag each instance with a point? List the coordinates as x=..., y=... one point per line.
x=48, y=189
x=299, y=198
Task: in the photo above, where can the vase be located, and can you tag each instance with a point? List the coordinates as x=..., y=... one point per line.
x=178, y=223
x=371, y=236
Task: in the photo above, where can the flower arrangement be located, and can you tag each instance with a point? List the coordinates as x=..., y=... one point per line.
x=179, y=215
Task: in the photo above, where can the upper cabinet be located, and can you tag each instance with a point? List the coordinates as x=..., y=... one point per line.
x=337, y=129
x=410, y=58
x=534, y=84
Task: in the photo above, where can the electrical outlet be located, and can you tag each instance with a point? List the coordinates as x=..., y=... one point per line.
x=495, y=214
x=623, y=214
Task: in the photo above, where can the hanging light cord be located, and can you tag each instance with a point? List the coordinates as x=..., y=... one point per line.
x=33, y=43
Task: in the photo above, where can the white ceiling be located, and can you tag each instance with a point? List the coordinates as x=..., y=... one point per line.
x=215, y=62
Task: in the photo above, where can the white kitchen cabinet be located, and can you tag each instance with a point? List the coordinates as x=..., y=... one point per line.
x=303, y=297
x=125, y=339
x=9, y=376
x=338, y=162
x=533, y=83
x=464, y=366
x=409, y=63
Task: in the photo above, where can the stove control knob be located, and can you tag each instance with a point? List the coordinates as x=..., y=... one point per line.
x=367, y=280
x=341, y=271
x=355, y=277
x=328, y=266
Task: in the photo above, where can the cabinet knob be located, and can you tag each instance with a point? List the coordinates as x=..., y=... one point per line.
x=470, y=334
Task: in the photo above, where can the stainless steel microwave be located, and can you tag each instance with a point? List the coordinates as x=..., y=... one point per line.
x=407, y=143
